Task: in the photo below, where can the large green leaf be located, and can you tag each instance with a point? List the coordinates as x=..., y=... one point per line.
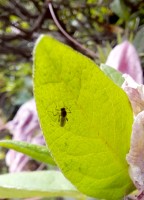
x=86, y=119
x=36, y=184
x=37, y=152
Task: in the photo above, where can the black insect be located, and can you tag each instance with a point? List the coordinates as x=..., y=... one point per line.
x=63, y=117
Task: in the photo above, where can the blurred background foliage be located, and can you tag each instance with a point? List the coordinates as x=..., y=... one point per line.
x=98, y=25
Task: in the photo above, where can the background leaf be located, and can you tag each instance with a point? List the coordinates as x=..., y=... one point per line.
x=120, y=9
x=90, y=143
x=113, y=74
x=37, y=152
x=36, y=184
x=139, y=40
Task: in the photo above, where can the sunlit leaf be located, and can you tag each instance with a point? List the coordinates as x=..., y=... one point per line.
x=86, y=120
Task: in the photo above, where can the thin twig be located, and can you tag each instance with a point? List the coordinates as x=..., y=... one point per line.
x=40, y=19
x=19, y=28
x=8, y=49
x=36, y=4
x=13, y=36
x=87, y=51
x=22, y=9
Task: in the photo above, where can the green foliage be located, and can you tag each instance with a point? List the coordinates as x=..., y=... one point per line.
x=138, y=43
x=139, y=40
x=90, y=140
x=119, y=7
x=36, y=184
x=15, y=87
x=95, y=25
x=102, y=55
x=113, y=74
x=92, y=23
x=37, y=152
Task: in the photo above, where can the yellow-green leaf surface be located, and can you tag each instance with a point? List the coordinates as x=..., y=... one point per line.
x=86, y=119
x=36, y=184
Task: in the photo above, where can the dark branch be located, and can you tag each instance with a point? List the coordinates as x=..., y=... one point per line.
x=14, y=36
x=8, y=49
x=10, y=9
x=40, y=19
x=88, y=52
x=37, y=6
x=22, y=9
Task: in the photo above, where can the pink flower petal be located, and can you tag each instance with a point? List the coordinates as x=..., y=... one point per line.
x=125, y=59
x=24, y=127
x=135, y=93
x=135, y=157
